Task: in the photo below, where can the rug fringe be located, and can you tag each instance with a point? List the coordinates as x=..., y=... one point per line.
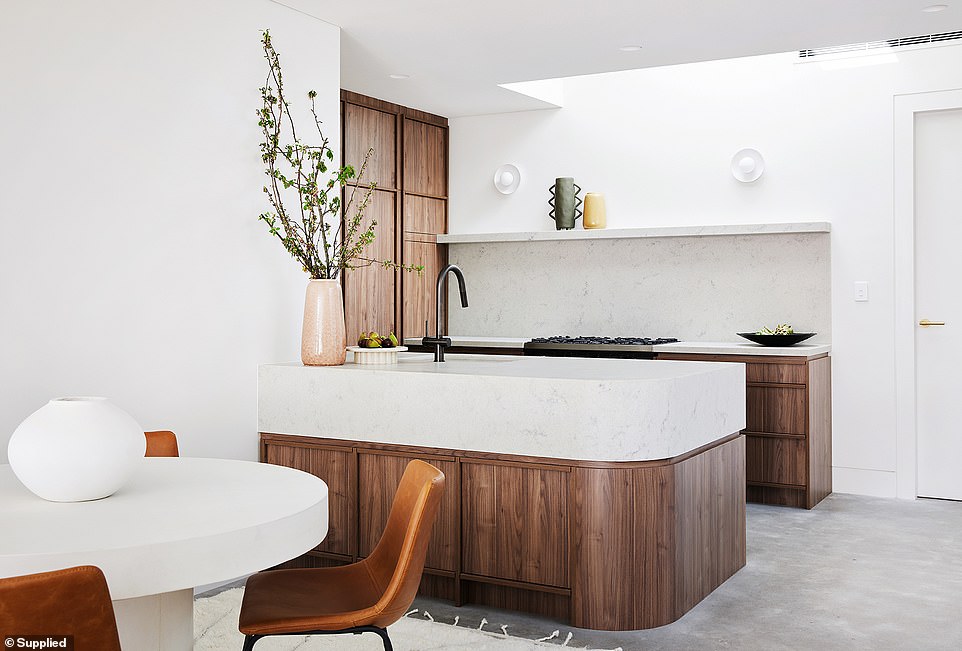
x=553, y=635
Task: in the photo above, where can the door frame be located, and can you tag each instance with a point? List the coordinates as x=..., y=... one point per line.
x=906, y=444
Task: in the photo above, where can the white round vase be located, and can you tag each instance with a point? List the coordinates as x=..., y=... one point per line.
x=76, y=449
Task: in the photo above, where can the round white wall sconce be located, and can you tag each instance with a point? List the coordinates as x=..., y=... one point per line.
x=507, y=178
x=747, y=165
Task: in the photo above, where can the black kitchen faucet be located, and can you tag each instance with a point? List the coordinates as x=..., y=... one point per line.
x=439, y=342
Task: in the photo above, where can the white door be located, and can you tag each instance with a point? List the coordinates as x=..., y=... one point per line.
x=938, y=298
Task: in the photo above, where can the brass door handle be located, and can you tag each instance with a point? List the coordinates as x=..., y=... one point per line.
x=925, y=323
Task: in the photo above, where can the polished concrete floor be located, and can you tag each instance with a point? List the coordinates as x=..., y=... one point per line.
x=853, y=573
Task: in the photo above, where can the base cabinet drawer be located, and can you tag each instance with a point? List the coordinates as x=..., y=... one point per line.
x=776, y=373
x=775, y=460
x=776, y=409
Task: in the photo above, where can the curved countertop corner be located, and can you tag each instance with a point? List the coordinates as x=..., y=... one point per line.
x=567, y=408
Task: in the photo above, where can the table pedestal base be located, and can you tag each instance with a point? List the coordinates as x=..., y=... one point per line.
x=163, y=622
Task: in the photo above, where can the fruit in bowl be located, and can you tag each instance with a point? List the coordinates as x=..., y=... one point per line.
x=780, y=329
x=374, y=340
x=781, y=335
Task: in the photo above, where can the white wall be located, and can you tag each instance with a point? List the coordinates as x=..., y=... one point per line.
x=658, y=143
x=132, y=264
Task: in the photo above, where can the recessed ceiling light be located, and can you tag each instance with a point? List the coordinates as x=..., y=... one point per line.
x=630, y=48
x=399, y=76
x=934, y=8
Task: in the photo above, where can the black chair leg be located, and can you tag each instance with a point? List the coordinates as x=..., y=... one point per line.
x=249, y=640
x=384, y=637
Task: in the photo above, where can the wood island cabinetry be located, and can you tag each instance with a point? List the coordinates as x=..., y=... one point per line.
x=788, y=433
x=604, y=545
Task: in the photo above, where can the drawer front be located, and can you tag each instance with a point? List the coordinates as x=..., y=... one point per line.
x=338, y=469
x=515, y=523
x=775, y=410
x=775, y=460
x=379, y=476
x=776, y=373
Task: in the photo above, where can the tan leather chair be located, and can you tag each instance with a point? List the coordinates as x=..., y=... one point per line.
x=74, y=601
x=364, y=597
x=161, y=444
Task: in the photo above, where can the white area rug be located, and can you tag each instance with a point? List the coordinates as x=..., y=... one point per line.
x=215, y=629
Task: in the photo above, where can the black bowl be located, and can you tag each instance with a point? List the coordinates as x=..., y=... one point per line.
x=777, y=340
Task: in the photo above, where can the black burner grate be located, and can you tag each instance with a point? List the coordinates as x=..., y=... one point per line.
x=595, y=341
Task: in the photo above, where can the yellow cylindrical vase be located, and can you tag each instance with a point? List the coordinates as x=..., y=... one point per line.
x=595, y=211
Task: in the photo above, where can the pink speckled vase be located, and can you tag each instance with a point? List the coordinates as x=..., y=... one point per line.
x=322, y=337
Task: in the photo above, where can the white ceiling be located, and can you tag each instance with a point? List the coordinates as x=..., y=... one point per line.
x=457, y=51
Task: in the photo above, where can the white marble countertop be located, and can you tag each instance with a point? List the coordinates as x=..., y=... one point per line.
x=477, y=342
x=746, y=348
x=566, y=408
x=694, y=347
x=627, y=233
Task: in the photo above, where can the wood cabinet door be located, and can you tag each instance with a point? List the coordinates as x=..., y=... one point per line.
x=424, y=159
x=379, y=475
x=369, y=290
x=515, y=522
x=337, y=467
x=424, y=215
x=420, y=289
x=367, y=128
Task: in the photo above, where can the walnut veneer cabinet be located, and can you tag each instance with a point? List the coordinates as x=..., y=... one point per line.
x=410, y=204
x=788, y=433
x=603, y=545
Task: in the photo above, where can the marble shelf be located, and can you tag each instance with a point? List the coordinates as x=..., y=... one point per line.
x=635, y=233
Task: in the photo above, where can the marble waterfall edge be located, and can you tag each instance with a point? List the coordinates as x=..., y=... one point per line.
x=567, y=408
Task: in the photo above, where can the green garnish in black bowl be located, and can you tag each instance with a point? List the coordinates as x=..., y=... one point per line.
x=781, y=335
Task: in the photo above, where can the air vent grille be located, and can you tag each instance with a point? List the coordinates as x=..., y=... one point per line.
x=927, y=39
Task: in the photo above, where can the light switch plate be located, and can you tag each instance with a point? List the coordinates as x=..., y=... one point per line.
x=861, y=291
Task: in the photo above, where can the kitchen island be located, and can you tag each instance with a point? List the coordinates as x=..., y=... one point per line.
x=608, y=493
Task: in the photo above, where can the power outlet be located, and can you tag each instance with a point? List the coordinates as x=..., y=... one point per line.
x=861, y=291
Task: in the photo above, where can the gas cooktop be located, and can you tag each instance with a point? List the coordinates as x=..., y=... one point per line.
x=628, y=347
x=603, y=341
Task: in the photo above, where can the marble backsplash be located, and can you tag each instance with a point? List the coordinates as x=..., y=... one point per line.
x=692, y=288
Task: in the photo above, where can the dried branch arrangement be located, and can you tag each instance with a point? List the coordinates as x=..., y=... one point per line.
x=321, y=231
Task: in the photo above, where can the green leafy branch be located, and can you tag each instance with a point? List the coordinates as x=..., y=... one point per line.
x=324, y=232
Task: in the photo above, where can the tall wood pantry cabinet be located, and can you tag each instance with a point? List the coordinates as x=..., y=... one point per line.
x=410, y=205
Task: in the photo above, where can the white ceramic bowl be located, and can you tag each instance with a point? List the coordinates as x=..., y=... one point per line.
x=376, y=355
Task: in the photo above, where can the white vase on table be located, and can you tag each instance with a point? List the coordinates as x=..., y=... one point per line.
x=76, y=449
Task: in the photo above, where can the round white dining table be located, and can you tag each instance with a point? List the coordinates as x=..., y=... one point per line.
x=179, y=523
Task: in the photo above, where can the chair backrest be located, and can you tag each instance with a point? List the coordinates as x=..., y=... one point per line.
x=161, y=444
x=398, y=559
x=74, y=601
